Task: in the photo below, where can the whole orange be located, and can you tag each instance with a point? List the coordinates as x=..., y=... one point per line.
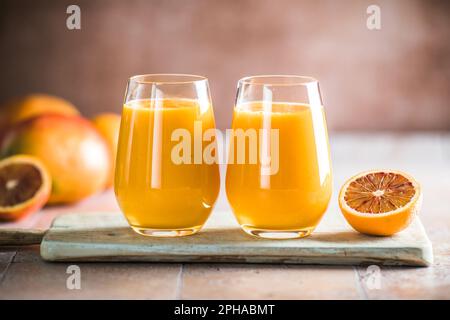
x=75, y=154
x=108, y=124
x=22, y=108
x=32, y=105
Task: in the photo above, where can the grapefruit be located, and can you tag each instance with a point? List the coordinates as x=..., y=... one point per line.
x=25, y=186
x=380, y=202
x=108, y=124
x=75, y=154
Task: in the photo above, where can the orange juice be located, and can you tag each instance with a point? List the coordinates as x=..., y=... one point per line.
x=152, y=190
x=297, y=195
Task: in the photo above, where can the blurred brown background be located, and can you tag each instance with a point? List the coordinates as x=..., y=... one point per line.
x=397, y=78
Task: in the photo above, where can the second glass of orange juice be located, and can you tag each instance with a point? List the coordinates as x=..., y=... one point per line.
x=278, y=178
x=164, y=190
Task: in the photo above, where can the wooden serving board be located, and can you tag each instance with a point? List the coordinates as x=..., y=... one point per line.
x=107, y=237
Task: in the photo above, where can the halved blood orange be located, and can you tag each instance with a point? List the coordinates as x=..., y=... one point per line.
x=25, y=186
x=380, y=202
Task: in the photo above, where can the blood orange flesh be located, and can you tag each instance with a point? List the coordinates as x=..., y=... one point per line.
x=24, y=186
x=379, y=192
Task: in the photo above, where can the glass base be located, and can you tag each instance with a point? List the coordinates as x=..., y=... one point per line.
x=277, y=234
x=166, y=233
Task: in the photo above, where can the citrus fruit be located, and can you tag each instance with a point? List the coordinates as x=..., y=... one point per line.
x=380, y=202
x=33, y=105
x=108, y=124
x=24, y=186
x=20, y=109
x=75, y=154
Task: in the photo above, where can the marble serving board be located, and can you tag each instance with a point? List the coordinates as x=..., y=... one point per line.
x=106, y=236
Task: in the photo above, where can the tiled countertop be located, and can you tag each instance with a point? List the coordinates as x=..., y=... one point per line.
x=425, y=155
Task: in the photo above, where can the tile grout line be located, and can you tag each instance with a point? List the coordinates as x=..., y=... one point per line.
x=3, y=275
x=359, y=287
x=179, y=288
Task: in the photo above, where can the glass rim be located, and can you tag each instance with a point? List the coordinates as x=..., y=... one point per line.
x=177, y=78
x=293, y=80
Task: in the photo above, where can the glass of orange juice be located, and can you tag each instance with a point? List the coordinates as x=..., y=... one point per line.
x=278, y=179
x=162, y=189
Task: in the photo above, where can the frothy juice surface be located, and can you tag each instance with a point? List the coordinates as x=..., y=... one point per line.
x=296, y=197
x=153, y=191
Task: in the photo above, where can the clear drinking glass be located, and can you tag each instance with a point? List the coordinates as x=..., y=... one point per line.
x=278, y=179
x=163, y=184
